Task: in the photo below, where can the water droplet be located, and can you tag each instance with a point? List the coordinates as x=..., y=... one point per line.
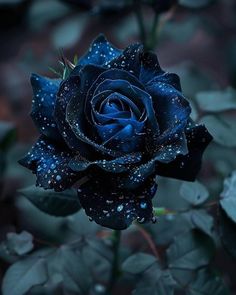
x=143, y=205
x=154, y=219
x=58, y=177
x=120, y=208
x=140, y=219
x=53, y=166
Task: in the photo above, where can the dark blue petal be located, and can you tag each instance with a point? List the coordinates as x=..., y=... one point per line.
x=141, y=99
x=151, y=72
x=100, y=52
x=137, y=175
x=111, y=207
x=129, y=60
x=186, y=167
x=74, y=117
x=75, y=108
x=43, y=103
x=171, y=108
x=107, y=131
x=113, y=74
x=125, y=140
x=149, y=67
x=174, y=145
x=118, y=102
x=167, y=153
x=74, y=90
x=117, y=165
x=110, y=108
x=121, y=90
x=50, y=164
x=169, y=78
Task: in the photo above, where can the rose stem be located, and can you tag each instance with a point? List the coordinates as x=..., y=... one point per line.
x=115, y=271
x=140, y=21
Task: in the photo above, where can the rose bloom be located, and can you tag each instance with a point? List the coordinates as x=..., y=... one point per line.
x=112, y=125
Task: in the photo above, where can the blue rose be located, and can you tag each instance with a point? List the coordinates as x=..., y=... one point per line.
x=116, y=122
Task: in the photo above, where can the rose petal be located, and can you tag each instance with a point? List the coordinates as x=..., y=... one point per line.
x=71, y=94
x=50, y=164
x=129, y=60
x=171, y=108
x=111, y=207
x=117, y=165
x=186, y=167
x=43, y=103
x=101, y=52
x=149, y=67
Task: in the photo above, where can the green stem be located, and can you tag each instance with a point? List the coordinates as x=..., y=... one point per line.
x=160, y=211
x=139, y=16
x=154, y=33
x=115, y=271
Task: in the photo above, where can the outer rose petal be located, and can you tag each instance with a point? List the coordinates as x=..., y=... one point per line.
x=171, y=108
x=186, y=167
x=150, y=67
x=74, y=88
x=114, y=208
x=100, y=52
x=50, y=164
x=166, y=154
x=129, y=60
x=116, y=165
x=45, y=91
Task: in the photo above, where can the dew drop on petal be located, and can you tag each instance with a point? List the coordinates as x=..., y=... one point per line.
x=143, y=205
x=58, y=177
x=120, y=208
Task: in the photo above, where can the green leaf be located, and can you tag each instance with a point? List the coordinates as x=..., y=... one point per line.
x=207, y=283
x=155, y=283
x=222, y=128
x=190, y=250
x=98, y=257
x=227, y=215
x=138, y=263
x=183, y=277
x=194, y=192
x=203, y=221
x=53, y=229
x=15, y=246
x=19, y=244
x=227, y=229
x=217, y=101
x=23, y=275
x=75, y=270
x=228, y=201
x=80, y=225
x=70, y=264
x=195, y=4
x=168, y=227
x=51, y=202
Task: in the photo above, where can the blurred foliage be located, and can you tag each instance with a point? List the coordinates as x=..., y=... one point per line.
x=48, y=246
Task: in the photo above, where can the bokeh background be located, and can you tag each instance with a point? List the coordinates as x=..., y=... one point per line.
x=199, y=44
